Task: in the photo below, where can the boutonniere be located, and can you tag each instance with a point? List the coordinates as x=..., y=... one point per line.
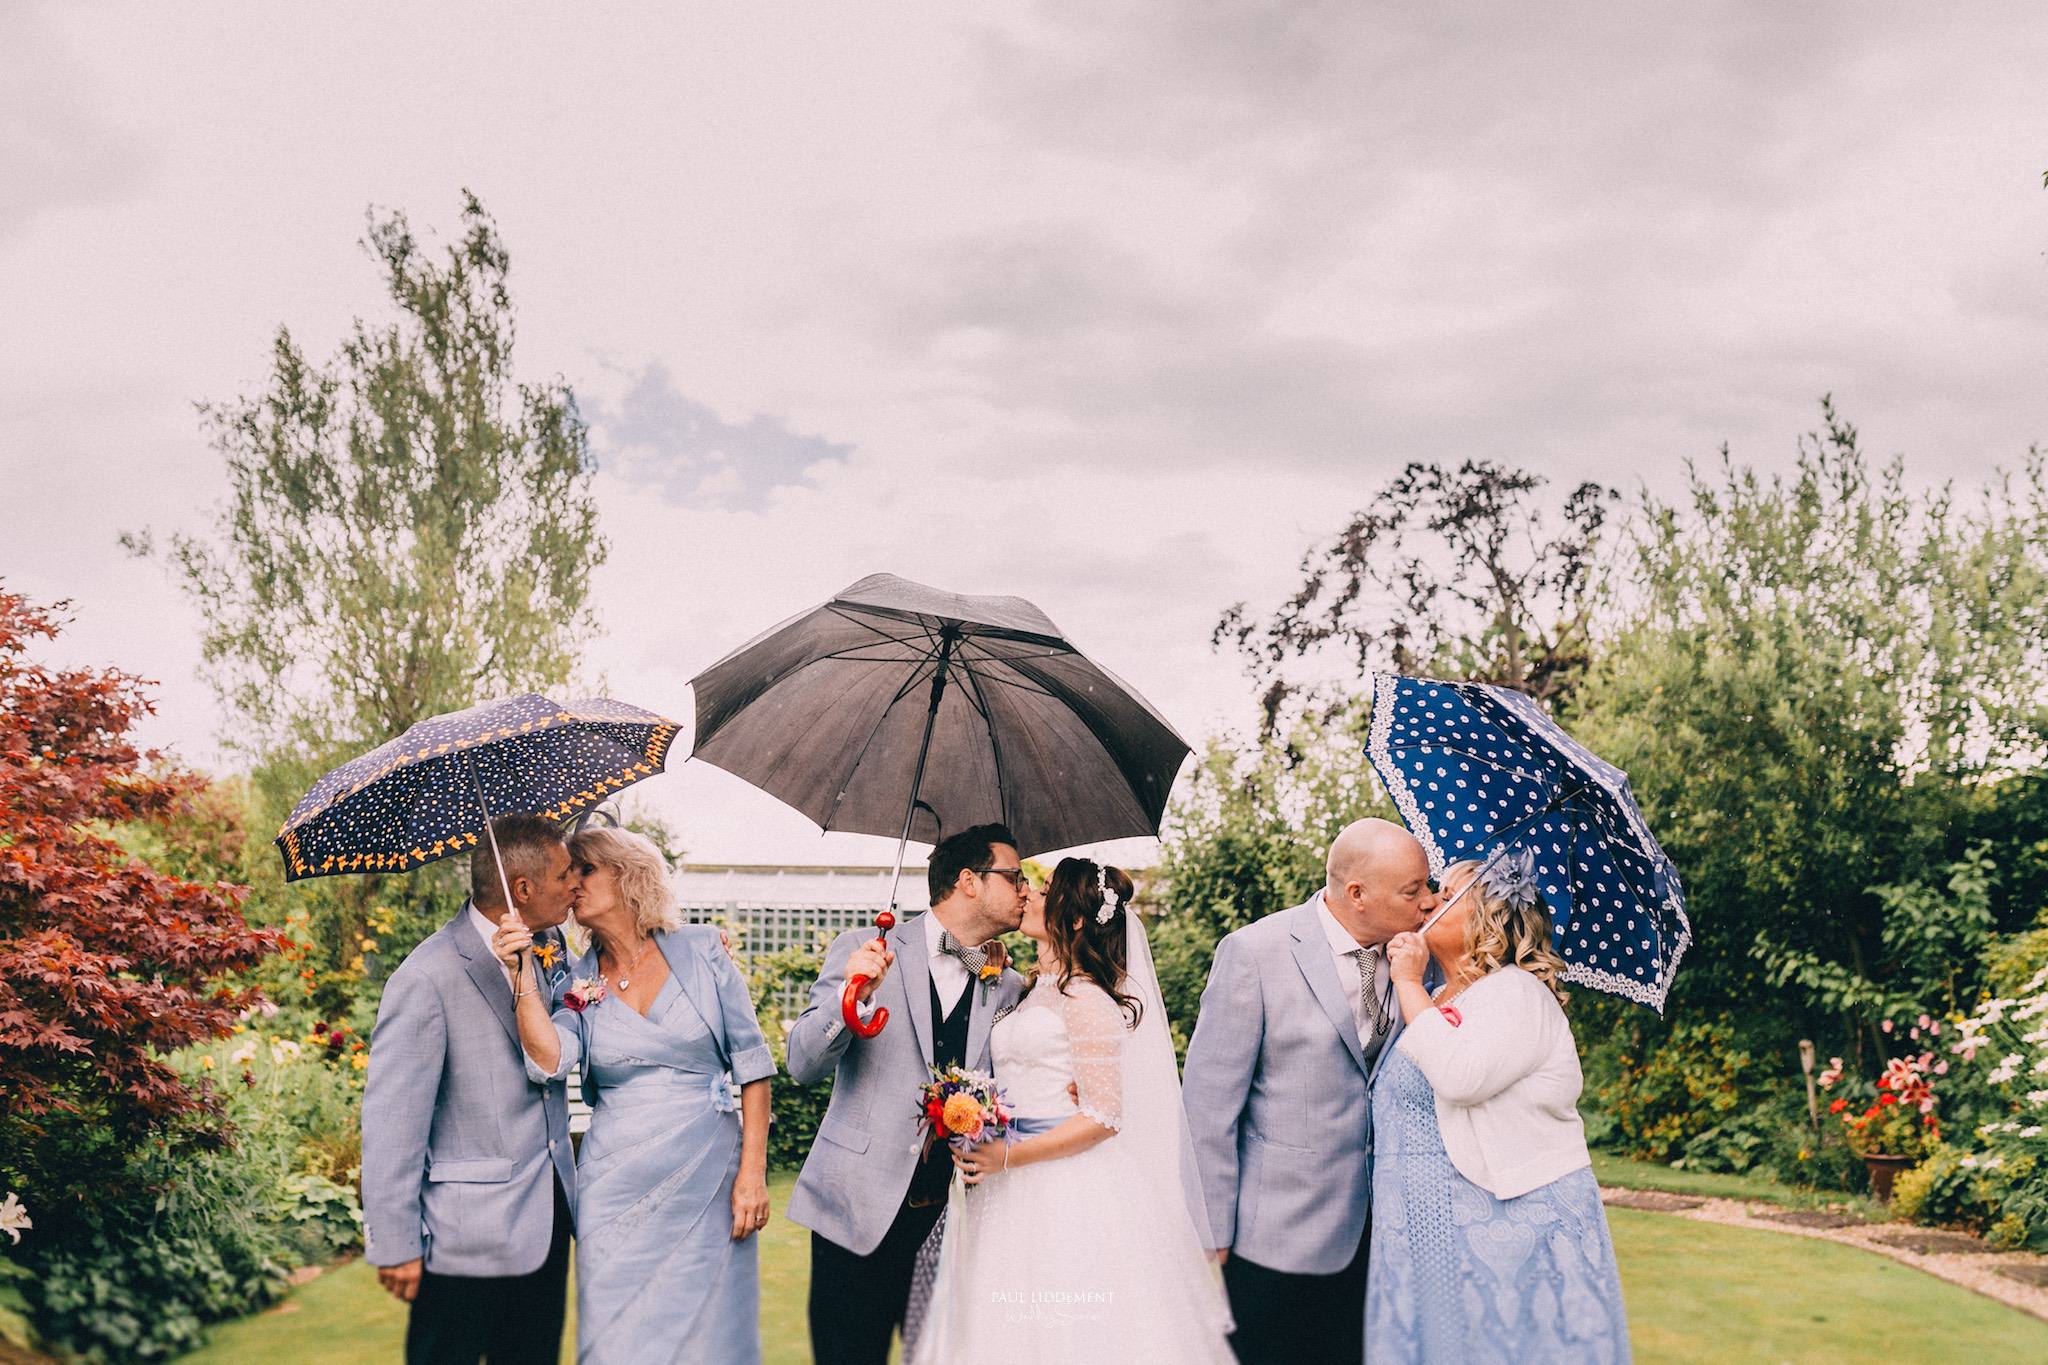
x=995, y=957
x=583, y=992
x=545, y=952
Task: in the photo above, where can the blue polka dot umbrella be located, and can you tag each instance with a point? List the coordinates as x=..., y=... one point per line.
x=432, y=792
x=1484, y=773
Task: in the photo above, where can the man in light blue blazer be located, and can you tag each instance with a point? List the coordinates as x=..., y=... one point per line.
x=1297, y=1015
x=468, y=1178
x=867, y=1195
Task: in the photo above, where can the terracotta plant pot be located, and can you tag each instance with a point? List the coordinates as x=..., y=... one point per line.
x=1883, y=1170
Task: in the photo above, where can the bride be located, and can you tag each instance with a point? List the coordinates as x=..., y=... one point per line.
x=1081, y=1237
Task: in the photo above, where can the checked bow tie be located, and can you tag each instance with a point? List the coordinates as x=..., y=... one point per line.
x=971, y=958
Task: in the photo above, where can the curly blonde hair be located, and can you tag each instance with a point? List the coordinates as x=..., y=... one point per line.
x=641, y=870
x=1499, y=933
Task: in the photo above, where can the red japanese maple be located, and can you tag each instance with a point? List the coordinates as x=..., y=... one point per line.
x=105, y=963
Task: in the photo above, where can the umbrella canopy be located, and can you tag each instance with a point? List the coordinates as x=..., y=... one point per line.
x=1477, y=771
x=977, y=707
x=432, y=792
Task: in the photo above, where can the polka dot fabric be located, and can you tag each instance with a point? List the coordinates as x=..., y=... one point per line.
x=1473, y=767
x=413, y=800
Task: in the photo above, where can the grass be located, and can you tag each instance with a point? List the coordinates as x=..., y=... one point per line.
x=1649, y=1175
x=1697, y=1292
x=1702, y=1293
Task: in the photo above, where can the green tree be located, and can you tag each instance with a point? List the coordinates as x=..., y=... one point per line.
x=409, y=529
x=1821, y=678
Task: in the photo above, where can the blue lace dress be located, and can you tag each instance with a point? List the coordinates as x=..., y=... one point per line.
x=1457, y=1275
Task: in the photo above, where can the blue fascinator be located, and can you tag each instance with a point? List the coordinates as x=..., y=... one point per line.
x=1512, y=878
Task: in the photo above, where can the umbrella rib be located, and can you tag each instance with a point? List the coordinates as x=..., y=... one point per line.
x=995, y=744
x=917, y=675
x=1022, y=682
x=875, y=630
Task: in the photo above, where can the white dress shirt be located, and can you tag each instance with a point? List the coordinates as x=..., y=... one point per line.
x=1346, y=948
x=949, y=973
x=486, y=928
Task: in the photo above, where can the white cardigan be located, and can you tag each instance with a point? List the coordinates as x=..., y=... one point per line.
x=1507, y=1083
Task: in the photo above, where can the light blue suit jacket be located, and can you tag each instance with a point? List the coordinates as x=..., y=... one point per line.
x=461, y=1146
x=1278, y=1094
x=859, y=1169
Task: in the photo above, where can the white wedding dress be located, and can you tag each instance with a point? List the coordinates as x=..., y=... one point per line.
x=1099, y=1256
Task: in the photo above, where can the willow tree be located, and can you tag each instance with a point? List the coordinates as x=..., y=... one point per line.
x=408, y=529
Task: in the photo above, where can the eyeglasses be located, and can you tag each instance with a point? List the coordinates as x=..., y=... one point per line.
x=1015, y=874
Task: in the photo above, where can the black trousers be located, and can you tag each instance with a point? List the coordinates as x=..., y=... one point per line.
x=857, y=1302
x=1285, y=1319
x=502, y=1319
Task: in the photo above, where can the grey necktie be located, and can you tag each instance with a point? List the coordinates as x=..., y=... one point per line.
x=1368, y=960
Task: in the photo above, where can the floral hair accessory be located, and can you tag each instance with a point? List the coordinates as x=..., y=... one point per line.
x=1109, y=896
x=1512, y=878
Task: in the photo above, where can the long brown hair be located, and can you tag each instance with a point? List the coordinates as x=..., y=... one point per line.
x=1083, y=946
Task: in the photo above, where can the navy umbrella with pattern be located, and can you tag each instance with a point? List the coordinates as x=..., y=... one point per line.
x=1481, y=772
x=432, y=792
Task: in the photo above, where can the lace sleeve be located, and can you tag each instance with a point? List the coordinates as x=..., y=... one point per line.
x=1095, y=1035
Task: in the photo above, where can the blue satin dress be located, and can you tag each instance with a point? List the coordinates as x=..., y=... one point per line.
x=1456, y=1276
x=658, y=1275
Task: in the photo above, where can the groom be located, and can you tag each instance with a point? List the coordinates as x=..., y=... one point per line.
x=868, y=1197
x=1297, y=1015
x=468, y=1179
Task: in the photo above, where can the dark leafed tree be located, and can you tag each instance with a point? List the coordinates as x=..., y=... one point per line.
x=409, y=529
x=106, y=963
x=1468, y=573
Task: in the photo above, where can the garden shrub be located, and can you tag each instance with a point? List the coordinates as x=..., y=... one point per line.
x=139, y=1279
x=1695, y=1084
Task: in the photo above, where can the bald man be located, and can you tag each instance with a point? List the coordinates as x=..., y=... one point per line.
x=1298, y=1012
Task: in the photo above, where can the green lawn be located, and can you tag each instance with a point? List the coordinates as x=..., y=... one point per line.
x=1648, y=1175
x=1697, y=1292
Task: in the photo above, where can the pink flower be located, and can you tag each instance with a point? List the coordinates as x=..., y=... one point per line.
x=1926, y=1022
x=1886, y=1026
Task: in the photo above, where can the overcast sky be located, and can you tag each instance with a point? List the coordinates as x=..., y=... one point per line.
x=1114, y=306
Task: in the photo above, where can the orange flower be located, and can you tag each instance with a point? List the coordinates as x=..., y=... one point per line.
x=963, y=1116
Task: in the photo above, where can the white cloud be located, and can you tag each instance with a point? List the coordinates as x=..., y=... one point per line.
x=1115, y=306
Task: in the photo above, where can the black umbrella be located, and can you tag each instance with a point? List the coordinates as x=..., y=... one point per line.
x=894, y=698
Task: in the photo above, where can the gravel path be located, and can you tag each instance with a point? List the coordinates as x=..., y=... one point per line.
x=2018, y=1279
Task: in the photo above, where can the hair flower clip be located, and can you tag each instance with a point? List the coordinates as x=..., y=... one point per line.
x=1512, y=878
x=1109, y=898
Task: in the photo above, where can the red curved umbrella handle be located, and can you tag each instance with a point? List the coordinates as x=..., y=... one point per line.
x=849, y=1001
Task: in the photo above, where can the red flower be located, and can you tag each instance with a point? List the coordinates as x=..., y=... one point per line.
x=935, y=1114
x=1887, y=1099
x=1838, y=1106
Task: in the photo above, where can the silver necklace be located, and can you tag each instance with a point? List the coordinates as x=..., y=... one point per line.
x=624, y=983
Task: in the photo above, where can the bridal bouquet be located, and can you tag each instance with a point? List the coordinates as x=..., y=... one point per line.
x=963, y=1107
